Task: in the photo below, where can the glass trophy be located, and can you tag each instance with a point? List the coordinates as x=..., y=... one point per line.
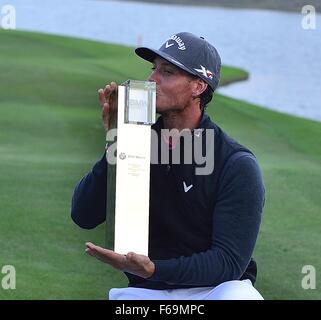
x=128, y=168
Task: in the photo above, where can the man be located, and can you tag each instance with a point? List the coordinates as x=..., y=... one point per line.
x=202, y=228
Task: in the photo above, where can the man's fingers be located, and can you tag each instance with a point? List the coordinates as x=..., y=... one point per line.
x=132, y=257
x=90, y=245
x=108, y=91
x=102, y=98
x=134, y=263
x=106, y=255
x=90, y=252
x=105, y=110
x=93, y=248
x=98, y=252
x=114, y=87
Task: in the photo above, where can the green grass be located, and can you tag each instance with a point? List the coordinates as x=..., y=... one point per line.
x=51, y=134
x=289, y=152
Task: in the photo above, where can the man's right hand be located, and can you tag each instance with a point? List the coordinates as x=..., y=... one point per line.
x=108, y=99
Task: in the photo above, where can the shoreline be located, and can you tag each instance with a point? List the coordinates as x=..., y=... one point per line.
x=241, y=77
x=274, y=5
x=264, y=65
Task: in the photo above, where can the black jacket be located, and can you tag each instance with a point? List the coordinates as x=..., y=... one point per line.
x=201, y=235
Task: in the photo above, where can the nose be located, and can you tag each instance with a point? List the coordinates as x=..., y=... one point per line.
x=154, y=76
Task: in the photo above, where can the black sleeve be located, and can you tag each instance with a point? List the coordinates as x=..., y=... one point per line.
x=236, y=222
x=88, y=207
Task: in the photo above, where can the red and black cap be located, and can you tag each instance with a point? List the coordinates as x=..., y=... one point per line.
x=190, y=53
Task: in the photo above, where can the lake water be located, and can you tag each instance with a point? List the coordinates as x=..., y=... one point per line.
x=283, y=59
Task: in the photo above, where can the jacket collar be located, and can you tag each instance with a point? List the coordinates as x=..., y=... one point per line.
x=205, y=119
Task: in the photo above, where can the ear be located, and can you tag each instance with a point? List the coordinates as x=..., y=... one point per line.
x=198, y=87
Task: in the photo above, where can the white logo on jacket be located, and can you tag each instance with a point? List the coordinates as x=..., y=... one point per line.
x=187, y=188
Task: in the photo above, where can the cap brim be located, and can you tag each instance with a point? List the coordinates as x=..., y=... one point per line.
x=150, y=55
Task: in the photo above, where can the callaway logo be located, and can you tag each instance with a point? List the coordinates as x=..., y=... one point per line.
x=187, y=188
x=206, y=73
x=168, y=44
x=178, y=40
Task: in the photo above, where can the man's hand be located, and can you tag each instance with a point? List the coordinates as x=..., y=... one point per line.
x=137, y=264
x=108, y=101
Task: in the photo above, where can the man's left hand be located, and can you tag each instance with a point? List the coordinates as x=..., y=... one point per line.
x=134, y=263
